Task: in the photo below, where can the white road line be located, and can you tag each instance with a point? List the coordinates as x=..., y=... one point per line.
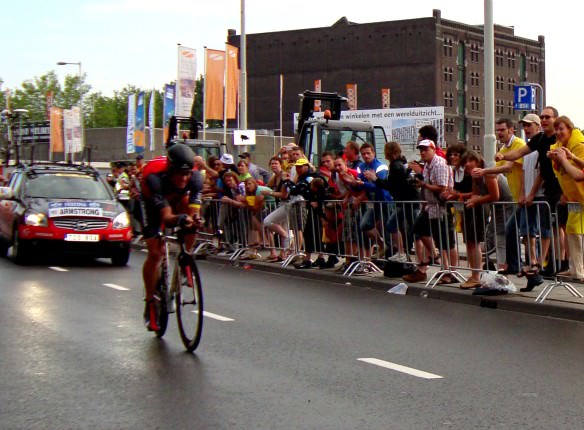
x=215, y=316
x=400, y=368
x=58, y=269
x=116, y=287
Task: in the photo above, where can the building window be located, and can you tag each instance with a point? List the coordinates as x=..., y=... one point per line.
x=500, y=83
x=448, y=100
x=448, y=47
x=510, y=110
x=476, y=128
x=449, y=125
x=448, y=74
x=500, y=107
x=474, y=79
x=474, y=53
x=511, y=84
x=475, y=104
x=499, y=60
x=533, y=64
x=511, y=59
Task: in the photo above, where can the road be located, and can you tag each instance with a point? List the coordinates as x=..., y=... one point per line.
x=289, y=354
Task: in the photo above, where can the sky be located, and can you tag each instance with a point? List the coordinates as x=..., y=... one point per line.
x=122, y=42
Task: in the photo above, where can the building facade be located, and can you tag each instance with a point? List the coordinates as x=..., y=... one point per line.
x=424, y=62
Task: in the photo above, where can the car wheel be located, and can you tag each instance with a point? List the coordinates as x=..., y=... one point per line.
x=120, y=258
x=20, y=251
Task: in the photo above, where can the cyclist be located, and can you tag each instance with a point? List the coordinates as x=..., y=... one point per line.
x=171, y=198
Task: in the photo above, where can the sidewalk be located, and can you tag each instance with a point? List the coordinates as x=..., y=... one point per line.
x=559, y=304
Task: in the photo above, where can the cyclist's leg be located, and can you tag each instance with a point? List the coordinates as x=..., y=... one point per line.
x=151, y=267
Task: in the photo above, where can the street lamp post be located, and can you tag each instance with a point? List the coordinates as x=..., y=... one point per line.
x=78, y=64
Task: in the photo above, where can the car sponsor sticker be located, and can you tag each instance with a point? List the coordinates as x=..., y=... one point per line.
x=78, y=209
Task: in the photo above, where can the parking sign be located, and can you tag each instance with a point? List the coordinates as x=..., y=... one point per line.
x=524, y=98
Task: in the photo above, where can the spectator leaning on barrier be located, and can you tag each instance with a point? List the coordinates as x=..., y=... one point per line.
x=534, y=219
x=403, y=192
x=513, y=170
x=541, y=143
x=570, y=141
x=377, y=213
x=476, y=198
x=351, y=155
x=432, y=222
x=277, y=220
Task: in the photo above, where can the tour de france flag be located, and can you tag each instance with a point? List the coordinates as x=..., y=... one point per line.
x=77, y=209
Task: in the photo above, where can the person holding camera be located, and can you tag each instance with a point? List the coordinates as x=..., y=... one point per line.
x=432, y=223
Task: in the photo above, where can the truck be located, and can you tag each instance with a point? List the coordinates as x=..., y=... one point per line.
x=328, y=132
x=186, y=130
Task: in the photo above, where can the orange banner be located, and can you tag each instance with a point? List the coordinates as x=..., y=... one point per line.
x=214, y=77
x=385, y=98
x=56, y=116
x=317, y=89
x=352, y=96
x=232, y=80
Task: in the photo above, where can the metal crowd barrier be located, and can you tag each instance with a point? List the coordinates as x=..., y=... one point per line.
x=374, y=231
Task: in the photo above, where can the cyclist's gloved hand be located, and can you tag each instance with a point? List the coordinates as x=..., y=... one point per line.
x=184, y=221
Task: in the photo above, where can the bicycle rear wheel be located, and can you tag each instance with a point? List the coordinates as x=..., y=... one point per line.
x=189, y=303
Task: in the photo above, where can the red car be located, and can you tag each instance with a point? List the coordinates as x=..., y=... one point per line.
x=62, y=208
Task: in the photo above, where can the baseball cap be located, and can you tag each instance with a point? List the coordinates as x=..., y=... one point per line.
x=226, y=159
x=426, y=143
x=245, y=155
x=531, y=118
x=301, y=162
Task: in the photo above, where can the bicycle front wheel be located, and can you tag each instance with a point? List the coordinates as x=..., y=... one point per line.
x=189, y=304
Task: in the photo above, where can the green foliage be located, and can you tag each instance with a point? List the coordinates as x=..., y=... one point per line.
x=99, y=111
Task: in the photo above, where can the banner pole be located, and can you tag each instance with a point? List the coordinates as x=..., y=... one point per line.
x=225, y=81
x=205, y=96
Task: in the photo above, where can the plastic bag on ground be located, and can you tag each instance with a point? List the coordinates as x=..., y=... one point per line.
x=400, y=288
x=495, y=281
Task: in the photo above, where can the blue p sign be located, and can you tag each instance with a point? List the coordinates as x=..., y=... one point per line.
x=524, y=97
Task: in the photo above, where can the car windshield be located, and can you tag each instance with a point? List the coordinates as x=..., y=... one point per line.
x=68, y=186
x=335, y=141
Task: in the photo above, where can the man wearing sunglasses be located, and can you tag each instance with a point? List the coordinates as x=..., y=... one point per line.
x=172, y=197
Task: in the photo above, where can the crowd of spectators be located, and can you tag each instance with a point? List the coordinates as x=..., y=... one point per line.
x=352, y=206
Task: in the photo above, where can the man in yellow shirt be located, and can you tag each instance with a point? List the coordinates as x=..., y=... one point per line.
x=513, y=170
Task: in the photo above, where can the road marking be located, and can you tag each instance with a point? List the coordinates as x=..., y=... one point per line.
x=215, y=316
x=144, y=250
x=400, y=368
x=116, y=287
x=58, y=269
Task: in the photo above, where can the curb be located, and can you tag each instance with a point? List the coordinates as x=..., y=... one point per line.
x=505, y=303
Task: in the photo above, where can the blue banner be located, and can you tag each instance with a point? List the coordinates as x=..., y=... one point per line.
x=140, y=124
x=168, y=107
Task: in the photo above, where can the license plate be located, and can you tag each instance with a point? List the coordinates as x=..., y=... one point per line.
x=82, y=237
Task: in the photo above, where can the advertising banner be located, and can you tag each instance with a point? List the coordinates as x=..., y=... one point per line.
x=68, y=130
x=76, y=145
x=385, y=98
x=317, y=89
x=232, y=80
x=56, y=142
x=50, y=99
x=187, y=74
x=167, y=108
x=151, y=120
x=400, y=125
x=140, y=124
x=352, y=96
x=214, y=77
x=130, y=149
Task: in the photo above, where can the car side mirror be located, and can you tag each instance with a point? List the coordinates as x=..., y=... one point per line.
x=6, y=193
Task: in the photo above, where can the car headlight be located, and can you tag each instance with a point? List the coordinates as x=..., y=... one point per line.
x=122, y=220
x=36, y=220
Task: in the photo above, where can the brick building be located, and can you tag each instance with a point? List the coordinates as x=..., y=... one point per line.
x=424, y=61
